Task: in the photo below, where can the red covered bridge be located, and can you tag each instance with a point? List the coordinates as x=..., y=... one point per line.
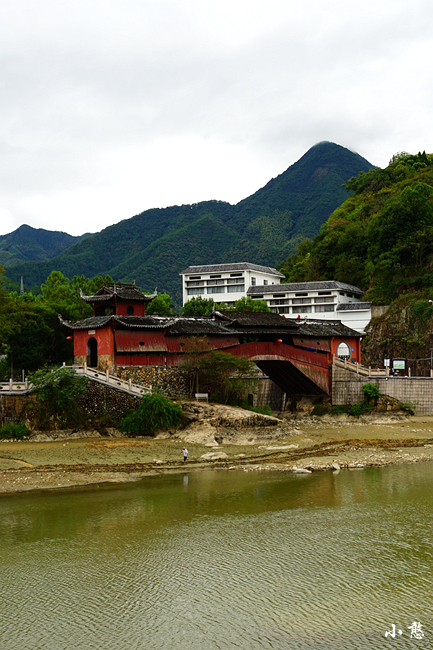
x=295, y=354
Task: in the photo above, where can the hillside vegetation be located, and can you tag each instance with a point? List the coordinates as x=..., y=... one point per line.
x=27, y=244
x=381, y=240
x=153, y=247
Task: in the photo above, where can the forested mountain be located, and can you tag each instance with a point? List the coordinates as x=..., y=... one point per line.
x=27, y=244
x=381, y=238
x=154, y=246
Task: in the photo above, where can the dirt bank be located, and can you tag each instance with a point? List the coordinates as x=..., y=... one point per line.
x=216, y=437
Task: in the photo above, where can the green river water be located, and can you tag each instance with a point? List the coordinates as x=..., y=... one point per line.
x=220, y=559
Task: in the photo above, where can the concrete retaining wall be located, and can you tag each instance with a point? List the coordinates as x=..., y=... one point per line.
x=347, y=389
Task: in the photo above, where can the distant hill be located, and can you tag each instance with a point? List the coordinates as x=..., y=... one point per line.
x=154, y=246
x=27, y=244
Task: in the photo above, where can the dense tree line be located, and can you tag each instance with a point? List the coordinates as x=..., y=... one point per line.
x=31, y=335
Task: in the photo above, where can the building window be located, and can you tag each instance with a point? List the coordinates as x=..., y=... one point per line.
x=194, y=277
x=195, y=284
x=193, y=292
x=253, y=282
x=216, y=289
x=278, y=302
x=324, y=293
x=330, y=299
x=265, y=282
x=301, y=301
x=322, y=308
x=215, y=276
x=130, y=310
x=236, y=275
x=279, y=295
x=257, y=297
x=284, y=310
x=213, y=282
x=301, y=294
x=235, y=288
x=343, y=351
x=301, y=310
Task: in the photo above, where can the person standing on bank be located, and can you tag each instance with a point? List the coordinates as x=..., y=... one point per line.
x=185, y=454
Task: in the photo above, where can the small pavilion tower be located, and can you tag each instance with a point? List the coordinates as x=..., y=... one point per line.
x=119, y=299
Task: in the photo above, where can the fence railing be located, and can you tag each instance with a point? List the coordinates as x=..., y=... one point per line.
x=15, y=386
x=126, y=386
x=360, y=369
x=370, y=372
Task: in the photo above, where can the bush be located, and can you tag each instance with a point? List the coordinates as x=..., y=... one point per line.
x=352, y=409
x=263, y=410
x=58, y=391
x=408, y=407
x=225, y=377
x=16, y=430
x=371, y=391
x=155, y=413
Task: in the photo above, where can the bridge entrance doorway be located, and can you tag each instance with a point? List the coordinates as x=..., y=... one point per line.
x=92, y=353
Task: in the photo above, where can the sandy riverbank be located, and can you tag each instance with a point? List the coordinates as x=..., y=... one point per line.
x=228, y=438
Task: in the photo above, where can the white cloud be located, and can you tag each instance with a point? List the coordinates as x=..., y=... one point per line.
x=110, y=108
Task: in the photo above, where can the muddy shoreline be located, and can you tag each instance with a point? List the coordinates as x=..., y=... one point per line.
x=217, y=438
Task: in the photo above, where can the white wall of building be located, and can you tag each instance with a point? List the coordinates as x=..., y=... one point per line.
x=224, y=284
x=318, y=301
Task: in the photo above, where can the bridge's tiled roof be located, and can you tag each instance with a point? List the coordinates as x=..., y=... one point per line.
x=173, y=324
x=326, y=328
x=255, y=319
x=222, y=323
x=87, y=323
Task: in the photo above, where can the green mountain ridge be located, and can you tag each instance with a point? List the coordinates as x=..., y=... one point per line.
x=153, y=247
x=27, y=244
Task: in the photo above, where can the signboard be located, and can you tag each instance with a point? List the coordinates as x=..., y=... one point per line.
x=399, y=364
x=386, y=363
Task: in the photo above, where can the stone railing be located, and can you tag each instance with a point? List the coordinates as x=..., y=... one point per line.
x=110, y=380
x=126, y=386
x=14, y=387
x=359, y=369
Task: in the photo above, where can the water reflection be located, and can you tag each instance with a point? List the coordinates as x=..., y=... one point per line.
x=220, y=559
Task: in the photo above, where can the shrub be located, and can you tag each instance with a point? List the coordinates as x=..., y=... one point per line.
x=58, y=391
x=371, y=391
x=155, y=412
x=17, y=430
x=263, y=410
x=225, y=377
x=409, y=407
x=352, y=409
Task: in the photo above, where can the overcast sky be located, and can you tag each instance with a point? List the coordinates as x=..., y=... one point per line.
x=109, y=108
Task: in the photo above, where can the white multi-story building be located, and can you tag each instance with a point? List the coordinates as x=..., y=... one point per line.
x=325, y=300
x=226, y=282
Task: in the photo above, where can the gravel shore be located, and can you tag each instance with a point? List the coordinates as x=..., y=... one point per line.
x=218, y=438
